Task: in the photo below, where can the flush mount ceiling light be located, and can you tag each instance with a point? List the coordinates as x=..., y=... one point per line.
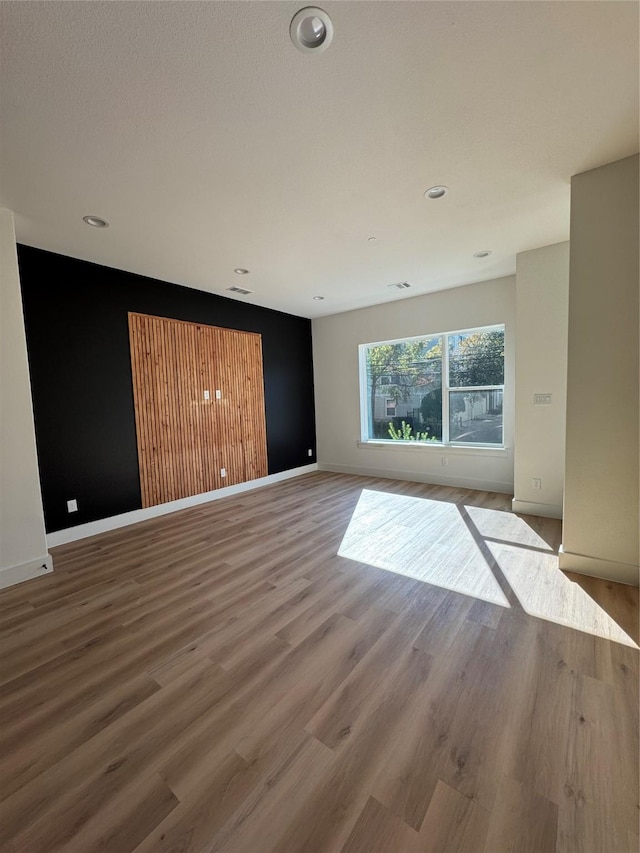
x=436, y=192
x=318, y=298
x=311, y=30
x=482, y=254
x=95, y=221
x=241, y=271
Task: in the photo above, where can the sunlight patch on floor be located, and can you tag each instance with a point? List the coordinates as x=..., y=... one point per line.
x=544, y=591
x=498, y=524
x=442, y=544
x=422, y=539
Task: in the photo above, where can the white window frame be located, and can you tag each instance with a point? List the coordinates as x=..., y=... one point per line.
x=446, y=389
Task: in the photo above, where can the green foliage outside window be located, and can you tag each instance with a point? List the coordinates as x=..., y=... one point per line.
x=478, y=359
x=404, y=433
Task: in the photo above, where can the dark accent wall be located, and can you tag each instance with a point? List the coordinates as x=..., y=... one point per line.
x=78, y=344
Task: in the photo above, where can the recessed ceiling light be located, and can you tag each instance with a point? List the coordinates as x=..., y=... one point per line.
x=436, y=192
x=241, y=271
x=318, y=298
x=95, y=221
x=311, y=30
x=482, y=254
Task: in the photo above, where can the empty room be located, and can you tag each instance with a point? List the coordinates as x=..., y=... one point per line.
x=319, y=432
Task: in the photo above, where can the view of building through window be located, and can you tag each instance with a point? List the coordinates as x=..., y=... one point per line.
x=443, y=388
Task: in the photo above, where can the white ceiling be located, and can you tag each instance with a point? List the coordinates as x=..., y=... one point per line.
x=210, y=143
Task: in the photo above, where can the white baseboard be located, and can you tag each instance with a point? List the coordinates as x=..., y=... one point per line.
x=26, y=571
x=420, y=477
x=92, y=528
x=607, y=569
x=534, y=508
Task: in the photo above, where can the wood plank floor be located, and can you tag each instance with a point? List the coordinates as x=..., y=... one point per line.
x=333, y=664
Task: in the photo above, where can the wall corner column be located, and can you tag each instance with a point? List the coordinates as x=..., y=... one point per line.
x=23, y=547
x=542, y=295
x=601, y=533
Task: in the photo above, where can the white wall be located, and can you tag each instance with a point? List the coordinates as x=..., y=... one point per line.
x=542, y=312
x=23, y=549
x=600, y=534
x=335, y=358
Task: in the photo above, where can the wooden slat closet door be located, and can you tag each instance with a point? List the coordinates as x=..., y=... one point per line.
x=195, y=469
x=241, y=416
x=251, y=395
x=185, y=439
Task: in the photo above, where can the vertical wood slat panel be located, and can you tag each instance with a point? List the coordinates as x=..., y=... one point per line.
x=229, y=422
x=135, y=345
x=211, y=440
x=184, y=440
x=167, y=368
x=148, y=421
x=251, y=395
x=162, y=447
x=193, y=473
x=188, y=405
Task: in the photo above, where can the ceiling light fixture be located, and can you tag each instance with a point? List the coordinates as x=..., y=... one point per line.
x=311, y=30
x=436, y=192
x=95, y=221
x=241, y=271
x=484, y=253
x=318, y=298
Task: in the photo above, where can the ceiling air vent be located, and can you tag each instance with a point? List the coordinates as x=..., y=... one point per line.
x=242, y=290
x=400, y=285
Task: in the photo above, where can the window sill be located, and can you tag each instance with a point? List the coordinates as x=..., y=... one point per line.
x=435, y=447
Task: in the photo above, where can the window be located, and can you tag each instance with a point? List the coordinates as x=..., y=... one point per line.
x=446, y=388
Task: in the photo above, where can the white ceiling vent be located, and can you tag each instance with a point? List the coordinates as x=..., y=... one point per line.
x=242, y=290
x=400, y=285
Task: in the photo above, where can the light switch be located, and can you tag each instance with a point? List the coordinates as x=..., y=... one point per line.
x=542, y=399
x=72, y=506
x=223, y=472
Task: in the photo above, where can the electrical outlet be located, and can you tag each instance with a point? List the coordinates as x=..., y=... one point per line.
x=536, y=483
x=72, y=506
x=444, y=461
x=207, y=395
x=223, y=472
x=309, y=452
x=218, y=395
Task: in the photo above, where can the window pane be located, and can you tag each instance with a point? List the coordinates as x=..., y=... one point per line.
x=475, y=416
x=404, y=386
x=476, y=358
